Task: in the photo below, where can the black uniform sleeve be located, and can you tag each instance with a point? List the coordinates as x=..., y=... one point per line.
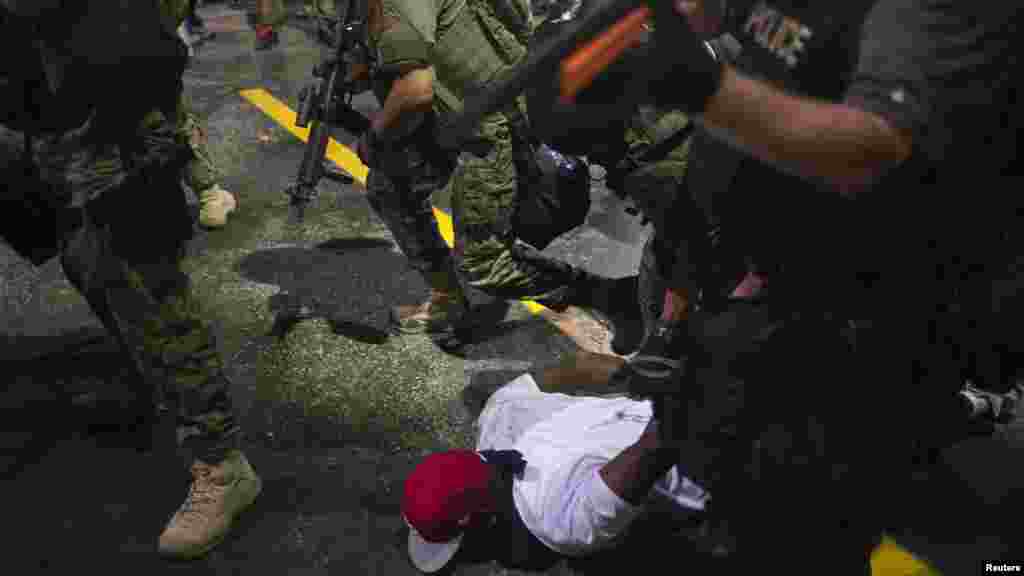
x=925, y=64
x=889, y=80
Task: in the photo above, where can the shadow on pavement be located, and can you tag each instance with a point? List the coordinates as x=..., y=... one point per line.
x=964, y=509
x=349, y=282
x=353, y=283
x=86, y=388
x=480, y=386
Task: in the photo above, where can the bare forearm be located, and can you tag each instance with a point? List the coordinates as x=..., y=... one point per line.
x=838, y=145
x=583, y=372
x=632, y=474
x=410, y=97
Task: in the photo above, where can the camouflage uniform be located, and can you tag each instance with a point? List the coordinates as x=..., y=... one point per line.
x=101, y=177
x=200, y=174
x=317, y=7
x=655, y=188
x=468, y=43
x=129, y=271
x=400, y=193
x=121, y=232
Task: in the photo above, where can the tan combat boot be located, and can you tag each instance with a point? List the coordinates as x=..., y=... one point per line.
x=442, y=310
x=218, y=495
x=215, y=203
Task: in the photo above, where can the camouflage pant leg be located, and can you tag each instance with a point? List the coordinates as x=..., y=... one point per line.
x=403, y=201
x=150, y=308
x=325, y=6
x=145, y=300
x=176, y=10
x=200, y=173
x=483, y=191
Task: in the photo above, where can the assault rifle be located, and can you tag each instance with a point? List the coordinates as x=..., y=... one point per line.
x=327, y=101
x=599, y=36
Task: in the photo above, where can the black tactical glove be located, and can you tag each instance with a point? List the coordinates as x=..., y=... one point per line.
x=691, y=71
x=674, y=69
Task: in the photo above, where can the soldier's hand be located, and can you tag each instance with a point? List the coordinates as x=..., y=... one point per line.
x=691, y=72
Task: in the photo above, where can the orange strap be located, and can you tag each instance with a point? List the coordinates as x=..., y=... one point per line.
x=589, y=60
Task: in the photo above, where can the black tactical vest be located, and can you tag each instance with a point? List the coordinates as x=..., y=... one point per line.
x=784, y=224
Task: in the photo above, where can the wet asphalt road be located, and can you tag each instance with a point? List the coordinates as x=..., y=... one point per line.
x=335, y=413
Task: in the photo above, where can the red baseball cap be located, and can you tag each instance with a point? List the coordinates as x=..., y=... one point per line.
x=443, y=490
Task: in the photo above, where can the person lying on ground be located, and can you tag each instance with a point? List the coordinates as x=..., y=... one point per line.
x=551, y=472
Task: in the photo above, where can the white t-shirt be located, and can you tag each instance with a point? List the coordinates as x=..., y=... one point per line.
x=566, y=440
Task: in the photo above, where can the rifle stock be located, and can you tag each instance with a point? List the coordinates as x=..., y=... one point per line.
x=548, y=58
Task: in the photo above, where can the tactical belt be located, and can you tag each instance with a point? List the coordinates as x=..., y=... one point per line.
x=727, y=48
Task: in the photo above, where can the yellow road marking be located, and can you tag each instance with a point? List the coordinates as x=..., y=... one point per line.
x=889, y=559
x=285, y=116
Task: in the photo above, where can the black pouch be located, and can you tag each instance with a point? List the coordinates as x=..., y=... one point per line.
x=553, y=190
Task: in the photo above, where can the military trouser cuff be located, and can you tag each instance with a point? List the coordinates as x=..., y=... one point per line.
x=557, y=301
x=211, y=448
